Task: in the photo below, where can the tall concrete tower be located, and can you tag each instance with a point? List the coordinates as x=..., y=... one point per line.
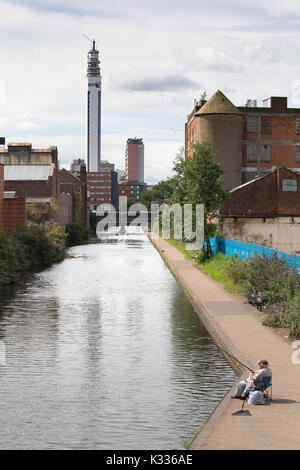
x=94, y=111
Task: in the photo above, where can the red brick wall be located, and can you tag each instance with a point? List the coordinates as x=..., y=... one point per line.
x=124, y=190
x=280, y=133
x=264, y=197
x=1, y=193
x=30, y=188
x=14, y=213
x=192, y=135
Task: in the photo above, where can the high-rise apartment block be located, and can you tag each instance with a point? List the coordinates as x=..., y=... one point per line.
x=93, y=111
x=134, y=160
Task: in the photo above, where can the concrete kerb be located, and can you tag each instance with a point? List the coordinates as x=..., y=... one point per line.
x=221, y=340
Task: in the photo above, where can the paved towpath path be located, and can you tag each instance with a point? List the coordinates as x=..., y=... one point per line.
x=237, y=326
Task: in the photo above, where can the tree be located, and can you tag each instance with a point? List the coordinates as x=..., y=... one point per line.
x=146, y=198
x=163, y=190
x=199, y=180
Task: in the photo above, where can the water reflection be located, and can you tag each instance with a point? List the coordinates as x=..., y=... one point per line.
x=105, y=351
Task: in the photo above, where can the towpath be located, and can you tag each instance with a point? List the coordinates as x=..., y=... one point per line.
x=237, y=327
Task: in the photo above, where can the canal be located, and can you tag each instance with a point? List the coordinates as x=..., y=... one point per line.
x=104, y=351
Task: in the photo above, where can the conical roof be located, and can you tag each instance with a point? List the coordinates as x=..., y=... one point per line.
x=218, y=104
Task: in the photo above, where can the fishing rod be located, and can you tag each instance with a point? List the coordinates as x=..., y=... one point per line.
x=234, y=358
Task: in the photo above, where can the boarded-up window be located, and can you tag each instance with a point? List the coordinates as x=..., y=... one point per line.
x=252, y=152
x=266, y=153
x=297, y=153
x=297, y=125
x=252, y=124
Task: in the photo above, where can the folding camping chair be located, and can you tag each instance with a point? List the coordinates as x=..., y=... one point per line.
x=266, y=389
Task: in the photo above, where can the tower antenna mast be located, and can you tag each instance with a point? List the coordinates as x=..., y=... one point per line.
x=87, y=38
x=91, y=40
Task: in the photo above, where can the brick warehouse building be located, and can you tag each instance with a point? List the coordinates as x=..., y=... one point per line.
x=31, y=173
x=76, y=187
x=265, y=210
x=249, y=140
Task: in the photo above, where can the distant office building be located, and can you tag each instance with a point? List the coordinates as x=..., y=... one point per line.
x=102, y=188
x=76, y=165
x=94, y=111
x=134, y=160
x=106, y=166
x=131, y=190
x=121, y=175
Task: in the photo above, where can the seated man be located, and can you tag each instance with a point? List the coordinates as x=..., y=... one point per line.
x=254, y=381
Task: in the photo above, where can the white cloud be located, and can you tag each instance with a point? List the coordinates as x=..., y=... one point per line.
x=149, y=48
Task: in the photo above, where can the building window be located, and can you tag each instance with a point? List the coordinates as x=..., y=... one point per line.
x=297, y=153
x=266, y=153
x=252, y=124
x=252, y=153
x=289, y=185
x=266, y=125
x=297, y=125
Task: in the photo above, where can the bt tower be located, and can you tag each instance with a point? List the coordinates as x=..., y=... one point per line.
x=93, y=111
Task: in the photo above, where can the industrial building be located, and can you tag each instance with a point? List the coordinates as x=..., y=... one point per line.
x=248, y=140
x=76, y=186
x=33, y=174
x=265, y=210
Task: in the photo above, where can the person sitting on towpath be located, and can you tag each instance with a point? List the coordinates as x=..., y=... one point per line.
x=255, y=380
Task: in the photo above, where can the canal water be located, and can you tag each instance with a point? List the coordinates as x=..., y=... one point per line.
x=104, y=351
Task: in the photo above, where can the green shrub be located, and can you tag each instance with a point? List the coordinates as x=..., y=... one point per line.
x=56, y=234
x=270, y=275
x=12, y=259
x=40, y=250
x=76, y=234
x=286, y=315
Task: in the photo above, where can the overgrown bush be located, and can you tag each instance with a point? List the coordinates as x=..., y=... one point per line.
x=39, y=249
x=76, y=234
x=286, y=315
x=271, y=275
x=56, y=234
x=12, y=259
x=30, y=247
x=279, y=284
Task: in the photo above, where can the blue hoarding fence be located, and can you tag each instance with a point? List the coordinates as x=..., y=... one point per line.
x=246, y=250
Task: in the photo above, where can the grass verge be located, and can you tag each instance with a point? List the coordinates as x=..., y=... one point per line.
x=216, y=268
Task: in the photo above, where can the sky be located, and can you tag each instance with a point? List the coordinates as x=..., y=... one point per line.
x=156, y=58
